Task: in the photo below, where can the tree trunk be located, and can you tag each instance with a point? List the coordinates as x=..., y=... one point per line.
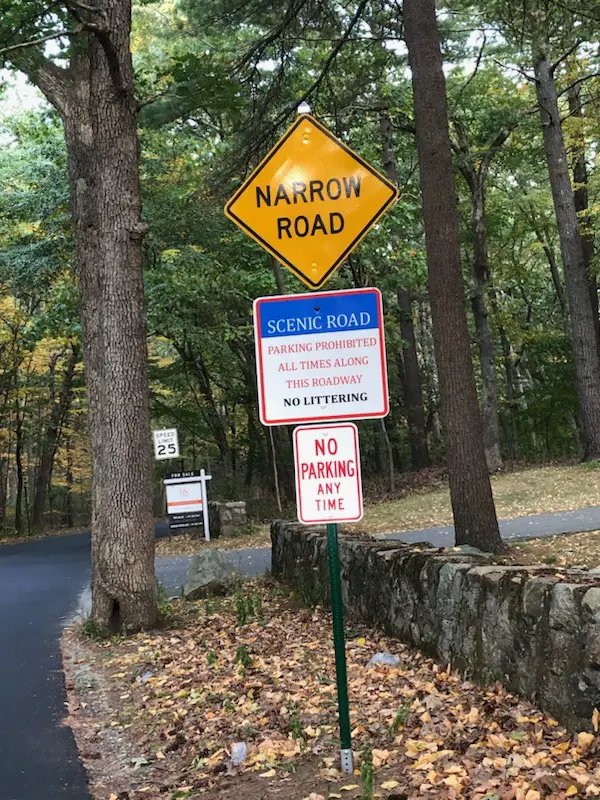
x=585, y=347
x=68, y=505
x=485, y=337
x=19, y=467
x=580, y=179
x=470, y=490
x=58, y=412
x=95, y=99
x=410, y=373
x=474, y=167
x=411, y=384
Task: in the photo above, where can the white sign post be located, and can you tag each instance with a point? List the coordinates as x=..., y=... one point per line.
x=166, y=444
x=328, y=481
x=321, y=357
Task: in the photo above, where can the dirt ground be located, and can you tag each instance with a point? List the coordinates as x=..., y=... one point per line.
x=156, y=715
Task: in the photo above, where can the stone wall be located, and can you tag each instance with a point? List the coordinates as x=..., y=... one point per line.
x=535, y=629
x=225, y=519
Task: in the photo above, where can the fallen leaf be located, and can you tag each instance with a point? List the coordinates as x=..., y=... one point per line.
x=349, y=787
x=389, y=785
x=269, y=774
x=584, y=740
x=571, y=791
x=595, y=719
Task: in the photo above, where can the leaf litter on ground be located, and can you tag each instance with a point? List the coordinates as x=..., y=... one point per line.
x=429, y=732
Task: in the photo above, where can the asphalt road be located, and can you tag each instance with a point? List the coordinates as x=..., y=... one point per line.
x=532, y=527
x=41, y=585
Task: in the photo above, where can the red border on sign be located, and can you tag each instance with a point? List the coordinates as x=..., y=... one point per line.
x=259, y=359
x=358, y=474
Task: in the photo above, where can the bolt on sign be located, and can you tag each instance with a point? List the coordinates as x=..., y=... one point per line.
x=311, y=201
x=328, y=482
x=321, y=357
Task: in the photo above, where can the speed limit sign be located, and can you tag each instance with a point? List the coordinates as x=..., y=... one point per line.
x=166, y=444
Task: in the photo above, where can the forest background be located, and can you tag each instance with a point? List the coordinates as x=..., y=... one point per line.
x=218, y=83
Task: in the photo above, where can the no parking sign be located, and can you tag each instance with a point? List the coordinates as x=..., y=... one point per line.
x=328, y=483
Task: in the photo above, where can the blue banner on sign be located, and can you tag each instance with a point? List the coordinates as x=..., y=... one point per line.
x=299, y=316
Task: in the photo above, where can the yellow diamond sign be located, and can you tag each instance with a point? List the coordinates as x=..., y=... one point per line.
x=311, y=201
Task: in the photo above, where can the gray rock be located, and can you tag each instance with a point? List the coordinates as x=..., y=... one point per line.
x=591, y=600
x=534, y=595
x=563, y=609
x=469, y=550
x=210, y=573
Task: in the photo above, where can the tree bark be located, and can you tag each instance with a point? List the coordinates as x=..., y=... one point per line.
x=475, y=168
x=470, y=490
x=410, y=375
x=95, y=99
x=485, y=337
x=583, y=329
x=19, y=467
x=580, y=179
x=58, y=412
x=411, y=384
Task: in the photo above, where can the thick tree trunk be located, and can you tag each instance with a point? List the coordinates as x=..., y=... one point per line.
x=99, y=113
x=585, y=347
x=410, y=374
x=580, y=179
x=58, y=412
x=472, y=502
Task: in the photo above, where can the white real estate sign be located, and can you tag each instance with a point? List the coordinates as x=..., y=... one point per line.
x=321, y=357
x=187, y=502
x=328, y=481
x=166, y=444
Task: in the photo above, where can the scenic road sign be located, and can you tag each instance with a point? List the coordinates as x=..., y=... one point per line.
x=321, y=357
x=328, y=483
x=166, y=444
x=311, y=201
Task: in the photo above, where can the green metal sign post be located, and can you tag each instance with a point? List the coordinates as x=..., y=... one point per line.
x=339, y=644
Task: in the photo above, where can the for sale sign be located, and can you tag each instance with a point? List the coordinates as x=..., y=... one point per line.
x=321, y=357
x=328, y=482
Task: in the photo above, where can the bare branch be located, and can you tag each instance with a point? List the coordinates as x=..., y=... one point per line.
x=522, y=72
x=578, y=82
x=477, y=65
x=34, y=42
x=564, y=56
x=53, y=81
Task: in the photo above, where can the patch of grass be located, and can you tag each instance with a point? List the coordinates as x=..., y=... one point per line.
x=295, y=725
x=165, y=604
x=565, y=550
x=243, y=657
x=89, y=629
x=367, y=775
x=400, y=718
x=520, y=493
x=248, y=606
